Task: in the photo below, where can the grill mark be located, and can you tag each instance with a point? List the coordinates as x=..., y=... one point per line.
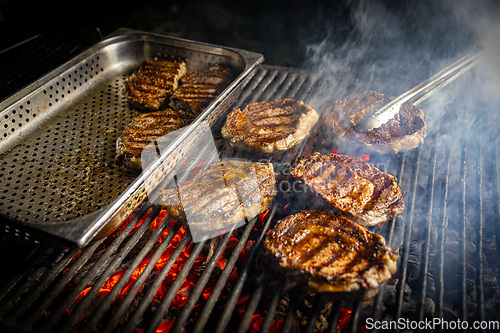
x=199, y=88
x=408, y=121
x=366, y=257
x=314, y=253
x=149, y=127
x=369, y=251
x=352, y=186
x=154, y=82
x=225, y=205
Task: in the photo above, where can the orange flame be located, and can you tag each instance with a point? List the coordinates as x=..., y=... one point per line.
x=165, y=326
x=183, y=293
x=344, y=317
x=263, y=216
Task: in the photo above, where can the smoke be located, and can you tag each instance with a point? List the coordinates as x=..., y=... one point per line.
x=394, y=45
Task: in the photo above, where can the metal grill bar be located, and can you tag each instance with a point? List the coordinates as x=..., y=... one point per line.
x=44, y=283
x=62, y=282
x=207, y=309
x=96, y=268
x=101, y=309
x=314, y=313
x=334, y=317
x=402, y=271
x=254, y=301
x=442, y=236
x=427, y=236
x=292, y=309
x=125, y=304
x=389, y=238
x=463, y=246
x=228, y=309
x=36, y=271
x=165, y=303
x=77, y=312
x=479, y=228
x=28, y=255
x=139, y=311
x=273, y=303
x=27, y=63
x=354, y=319
x=497, y=204
x=200, y=284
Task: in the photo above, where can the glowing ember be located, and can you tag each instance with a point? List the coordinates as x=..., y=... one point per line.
x=165, y=326
x=263, y=216
x=256, y=324
x=182, y=295
x=127, y=221
x=344, y=317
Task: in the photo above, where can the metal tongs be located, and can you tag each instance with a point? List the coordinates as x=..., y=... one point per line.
x=379, y=116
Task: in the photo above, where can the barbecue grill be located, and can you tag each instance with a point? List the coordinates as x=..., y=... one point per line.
x=150, y=276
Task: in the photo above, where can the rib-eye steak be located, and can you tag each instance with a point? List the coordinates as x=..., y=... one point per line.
x=331, y=253
x=152, y=85
x=269, y=126
x=404, y=132
x=198, y=89
x=222, y=195
x=351, y=185
x=143, y=130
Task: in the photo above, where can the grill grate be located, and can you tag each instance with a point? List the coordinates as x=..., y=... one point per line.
x=31, y=60
x=447, y=241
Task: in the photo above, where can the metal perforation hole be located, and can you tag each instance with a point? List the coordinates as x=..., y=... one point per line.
x=73, y=156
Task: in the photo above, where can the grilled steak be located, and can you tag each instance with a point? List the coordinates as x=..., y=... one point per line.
x=143, y=130
x=404, y=132
x=332, y=253
x=198, y=89
x=222, y=195
x=359, y=190
x=269, y=126
x=152, y=85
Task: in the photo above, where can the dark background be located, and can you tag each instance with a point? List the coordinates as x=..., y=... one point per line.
x=411, y=33
x=279, y=30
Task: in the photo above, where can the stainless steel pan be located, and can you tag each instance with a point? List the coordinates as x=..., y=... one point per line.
x=57, y=137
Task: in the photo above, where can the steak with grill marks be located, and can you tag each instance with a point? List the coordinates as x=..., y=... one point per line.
x=404, y=132
x=269, y=126
x=144, y=129
x=351, y=185
x=152, y=85
x=222, y=195
x=331, y=253
x=198, y=89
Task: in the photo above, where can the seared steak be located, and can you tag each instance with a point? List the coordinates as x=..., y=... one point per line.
x=332, y=253
x=269, y=126
x=404, y=132
x=222, y=195
x=198, y=89
x=143, y=130
x=351, y=185
x=152, y=85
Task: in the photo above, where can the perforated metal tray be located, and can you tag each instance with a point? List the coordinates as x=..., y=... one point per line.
x=57, y=137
